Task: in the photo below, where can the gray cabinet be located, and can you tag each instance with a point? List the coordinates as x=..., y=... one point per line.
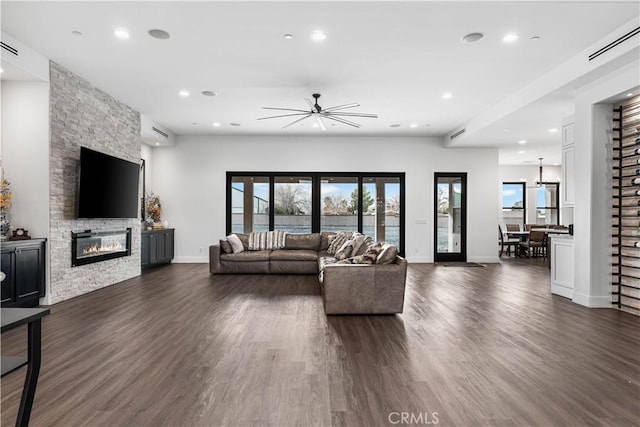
x=23, y=263
x=157, y=247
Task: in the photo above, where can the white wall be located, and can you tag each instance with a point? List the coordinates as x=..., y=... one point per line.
x=190, y=179
x=25, y=153
x=146, y=153
x=530, y=174
x=592, y=236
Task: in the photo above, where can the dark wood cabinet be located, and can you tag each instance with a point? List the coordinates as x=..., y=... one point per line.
x=23, y=263
x=157, y=247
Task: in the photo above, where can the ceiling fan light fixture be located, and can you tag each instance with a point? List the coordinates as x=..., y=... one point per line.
x=472, y=37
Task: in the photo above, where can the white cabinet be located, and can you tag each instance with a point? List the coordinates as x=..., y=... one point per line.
x=562, y=264
x=568, y=184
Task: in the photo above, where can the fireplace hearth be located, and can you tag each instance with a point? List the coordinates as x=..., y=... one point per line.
x=91, y=246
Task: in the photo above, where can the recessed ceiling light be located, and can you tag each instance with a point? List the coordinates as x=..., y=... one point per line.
x=121, y=33
x=629, y=94
x=76, y=33
x=472, y=37
x=315, y=125
x=413, y=125
x=183, y=93
x=157, y=143
x=521, y=152
x=553, y=130
x=288, y=36
x=216, y=124
x=209, y=93
x=535, y=38
x=522, y=141
x=159, y=34
x=510, y=38
x=318, y=36
x=234, y=124
x=556, y=164
x=395, y=125
x=447, y=95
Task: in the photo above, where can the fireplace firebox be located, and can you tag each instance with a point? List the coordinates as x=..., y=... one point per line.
x=91, y=246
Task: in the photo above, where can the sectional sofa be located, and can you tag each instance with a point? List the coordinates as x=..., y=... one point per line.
x=347, y=288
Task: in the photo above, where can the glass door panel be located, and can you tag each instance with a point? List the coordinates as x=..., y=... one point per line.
x=292, y=204
x=339, y=203
x=450, y=217
x=381, y=209
x=249, y=204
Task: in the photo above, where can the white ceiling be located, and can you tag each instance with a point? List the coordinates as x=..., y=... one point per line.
x=393, y=58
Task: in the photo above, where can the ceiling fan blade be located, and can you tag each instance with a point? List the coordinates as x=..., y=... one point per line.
x=346, y=122
x=296, y=121
x=285, y=109
x=306, y=113
x=368, y=115
x=342, y=107
x=320, y=123
x=311, y=104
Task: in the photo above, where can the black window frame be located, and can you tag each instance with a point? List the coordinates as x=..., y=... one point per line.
x=316, y=202
x=524, y=199
x=557, y=207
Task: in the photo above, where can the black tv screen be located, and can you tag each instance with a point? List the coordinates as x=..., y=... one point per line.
x=108, y=186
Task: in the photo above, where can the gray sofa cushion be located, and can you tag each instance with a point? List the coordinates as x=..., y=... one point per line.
x=325, y=239
x=309, y=241
x=294, y=255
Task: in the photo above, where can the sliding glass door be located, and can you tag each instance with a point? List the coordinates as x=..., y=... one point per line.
x=450, y=217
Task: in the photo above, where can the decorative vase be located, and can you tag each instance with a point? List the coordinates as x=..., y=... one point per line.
x=5, y=225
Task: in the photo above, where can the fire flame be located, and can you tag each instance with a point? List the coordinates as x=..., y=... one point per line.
x=99, y=248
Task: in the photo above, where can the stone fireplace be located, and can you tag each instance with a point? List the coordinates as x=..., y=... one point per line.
x=91, y=246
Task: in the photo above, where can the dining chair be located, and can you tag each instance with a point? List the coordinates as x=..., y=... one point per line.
x=512, y=227
x=505, y=241
x=537, y=244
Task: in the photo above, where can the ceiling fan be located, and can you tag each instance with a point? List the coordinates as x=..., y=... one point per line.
x=331, y=113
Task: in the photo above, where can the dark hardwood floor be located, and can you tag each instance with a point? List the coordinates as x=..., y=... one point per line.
x=478, y=346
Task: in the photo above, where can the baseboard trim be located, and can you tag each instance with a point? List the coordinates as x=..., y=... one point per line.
x=592, y=302
x=191, y=260
x=419, y=260
x=484, y=259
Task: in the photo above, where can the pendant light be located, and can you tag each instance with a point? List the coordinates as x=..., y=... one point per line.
x=540, y=178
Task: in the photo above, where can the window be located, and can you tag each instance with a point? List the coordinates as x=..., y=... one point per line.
x=340, y=206
x=292, y=204
x=249, y=204
x=372, y=203
x=547, y=202
x=513, y=203
x=381, y=208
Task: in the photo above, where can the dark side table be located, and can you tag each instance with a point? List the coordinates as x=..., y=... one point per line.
x=12, y=318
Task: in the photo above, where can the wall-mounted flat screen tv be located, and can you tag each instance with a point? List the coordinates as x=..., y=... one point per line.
x=108, y=186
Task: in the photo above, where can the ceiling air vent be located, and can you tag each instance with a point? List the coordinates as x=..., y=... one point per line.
x=614, y=43
x=9, y=49
x=457, y=134
x=159, y=132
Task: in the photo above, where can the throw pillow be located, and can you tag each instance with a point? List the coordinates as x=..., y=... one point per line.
x=236, y=243
x=388, y=254
x=338, y=241
x=346, y=250
x=361, y=244
x=226, y=246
